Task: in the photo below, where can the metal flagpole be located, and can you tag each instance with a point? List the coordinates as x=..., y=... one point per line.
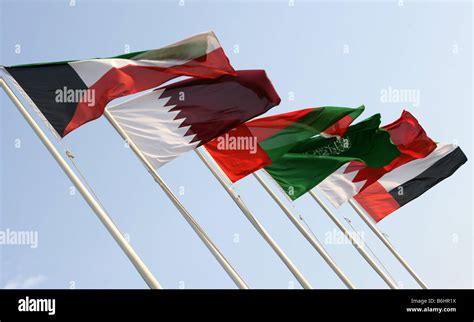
x=93, y=203
x=387, y=243
x=263, y=232
x=388, y=280
x=313, y=241
x=189, y=218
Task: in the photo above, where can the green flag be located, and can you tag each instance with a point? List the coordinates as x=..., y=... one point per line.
x=311, y=161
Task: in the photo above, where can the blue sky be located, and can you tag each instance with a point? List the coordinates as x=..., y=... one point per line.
x=316, y=53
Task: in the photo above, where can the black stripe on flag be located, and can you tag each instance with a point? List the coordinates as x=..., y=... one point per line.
x=42, y=82
x=439, y=171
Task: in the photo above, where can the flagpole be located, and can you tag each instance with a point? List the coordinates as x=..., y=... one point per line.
x=387, y=279
x=311, y=239
x=258, y=226
x=233, y=274
x=387, y=243
x=86, y=194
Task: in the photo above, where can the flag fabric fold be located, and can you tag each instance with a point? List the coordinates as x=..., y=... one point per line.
x=351, y=178
x=257, y=143
x=311, y=161
x=409, y=181
x=180, y=117
x=71, y=93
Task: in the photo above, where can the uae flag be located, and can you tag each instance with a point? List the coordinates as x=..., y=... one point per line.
x=311, y=161
x=409, y=181
x=409, y=137
x=70, y=93
x=257, y=143
x=174, y=119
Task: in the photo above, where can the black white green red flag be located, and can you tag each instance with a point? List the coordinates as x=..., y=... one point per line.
x=257, y=143
x=409, y=181
x=70, y=93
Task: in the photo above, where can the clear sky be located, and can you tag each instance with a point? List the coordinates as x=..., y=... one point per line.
x=316, y=53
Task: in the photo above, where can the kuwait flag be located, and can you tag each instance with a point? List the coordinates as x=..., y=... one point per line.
x=71, y=93
x=257, y=143
x=311, y=161
x=409, y=181
x=409, y=137
x=177, y=118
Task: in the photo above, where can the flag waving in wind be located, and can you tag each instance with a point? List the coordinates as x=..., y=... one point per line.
x=409, y=181
x=351, y=178
x=71, y=93
x=177, y=118
x=311, y=161
x=258, y=143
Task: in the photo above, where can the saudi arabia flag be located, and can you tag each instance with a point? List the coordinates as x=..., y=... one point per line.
x=257, y=143
x=311, y=161
x=354, y=177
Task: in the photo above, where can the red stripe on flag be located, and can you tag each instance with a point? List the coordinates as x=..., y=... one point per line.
x=130, y=79
x=409, y=137
x=239, y=163
x=376, y=201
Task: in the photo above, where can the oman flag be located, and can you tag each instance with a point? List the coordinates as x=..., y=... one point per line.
x=311, y=161
x=70, y=93
x=177, y=118
x=257, y=143
x=409, y=181
x=409, y=137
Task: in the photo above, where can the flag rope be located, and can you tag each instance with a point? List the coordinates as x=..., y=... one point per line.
x=387, y=243
x=387, y=279
x=313, y=241
x=366, y=245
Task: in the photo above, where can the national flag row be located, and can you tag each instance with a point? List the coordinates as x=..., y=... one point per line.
x=381, y=167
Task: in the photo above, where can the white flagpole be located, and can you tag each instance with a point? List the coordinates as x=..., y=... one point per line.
x=233, y=274
x=313, y=241
x=263, y=232
x=93, y=203
x=387, y=243
x=388, y=280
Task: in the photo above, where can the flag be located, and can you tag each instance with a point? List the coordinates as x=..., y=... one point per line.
x=409, y=181
x=182, y=116
x=409, y=137
x=71, y=93
x=311, y=161
x=257, y=143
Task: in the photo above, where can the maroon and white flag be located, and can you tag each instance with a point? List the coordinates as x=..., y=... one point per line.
x=177, y=118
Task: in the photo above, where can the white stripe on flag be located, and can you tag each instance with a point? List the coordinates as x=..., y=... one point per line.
x=150, y=124
x=414, y=168
x=338, y=187
x=91, y=70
